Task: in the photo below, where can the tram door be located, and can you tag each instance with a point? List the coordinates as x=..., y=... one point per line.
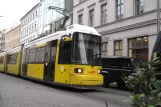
x=25, y=61
x=49, y=63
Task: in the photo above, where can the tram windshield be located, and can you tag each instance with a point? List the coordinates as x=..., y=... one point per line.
x=87, y=49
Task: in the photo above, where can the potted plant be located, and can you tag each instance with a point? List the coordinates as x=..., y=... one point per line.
x=145, y=85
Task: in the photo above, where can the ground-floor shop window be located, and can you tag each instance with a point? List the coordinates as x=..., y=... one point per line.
x=138, y=48
x=118, y=48
x=105, y=49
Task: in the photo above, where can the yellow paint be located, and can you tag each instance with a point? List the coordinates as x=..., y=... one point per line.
x=35, y=71
x=77, y=79
x=68, y=39
x=42, y=45
x=14, y=68
x=64, y=73
x=2, y=65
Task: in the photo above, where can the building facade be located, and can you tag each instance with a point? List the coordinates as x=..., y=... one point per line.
x=12, y=38
x=128, y=27
x=29, y=25
x=1, y=40
x=51, y=20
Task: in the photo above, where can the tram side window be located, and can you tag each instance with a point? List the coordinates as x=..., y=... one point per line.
x=53, y=54
x=40, y=55
x=65, y=53
x=1, y=60
x=37, y=55
x=32, y=55
x=50, y=53
x=12, y=59
x=47, y=54
x=25, y=55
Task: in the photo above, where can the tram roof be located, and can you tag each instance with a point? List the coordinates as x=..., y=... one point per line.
x=16, y=49
x=57, y=35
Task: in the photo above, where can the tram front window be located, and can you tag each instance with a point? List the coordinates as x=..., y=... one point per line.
x=87, y=49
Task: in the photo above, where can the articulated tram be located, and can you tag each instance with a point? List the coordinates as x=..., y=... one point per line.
x=69, y=58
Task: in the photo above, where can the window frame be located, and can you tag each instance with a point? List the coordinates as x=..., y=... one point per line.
x=141, y=47
x=106, y=48
x=103, y=15
x=120, y=49
x=91, y=17
x=12, y=58
x=118, y=9
x=29, y=57
x=137, y=7
x=135, y=47
x=62, y=53
x=80, y=19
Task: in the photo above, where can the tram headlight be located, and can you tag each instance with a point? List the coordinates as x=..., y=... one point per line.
x=78, y=70
x=99, y=71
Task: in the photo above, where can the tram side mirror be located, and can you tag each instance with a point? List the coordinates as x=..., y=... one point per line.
x=61, y=43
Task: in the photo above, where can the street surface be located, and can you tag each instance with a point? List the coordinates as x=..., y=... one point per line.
x=17, y=92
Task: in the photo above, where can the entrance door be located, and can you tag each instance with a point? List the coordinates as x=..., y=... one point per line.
x=49, y=63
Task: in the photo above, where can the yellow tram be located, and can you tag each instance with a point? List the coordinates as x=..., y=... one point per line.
x=2, y=61
x=13, y=61
x=70, y=58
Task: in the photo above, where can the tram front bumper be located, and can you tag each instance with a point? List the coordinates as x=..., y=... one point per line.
x=86, y=81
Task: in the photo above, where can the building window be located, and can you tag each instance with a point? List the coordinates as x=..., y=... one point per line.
x=138, y=48
x=119, y=9
x=32, y=28
x=80, y=19
x=30, y=17
x=35, y=26
x=104, y=14
x=36, y=13
x=27, y=31
x=33, y=15
x=118, y=48
x=91, y=17
x=139, y=7
x=105, y=49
